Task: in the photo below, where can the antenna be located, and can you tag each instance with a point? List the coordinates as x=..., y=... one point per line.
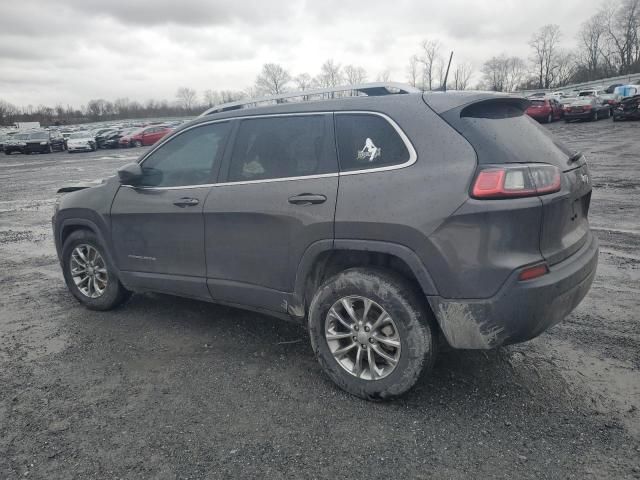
x=446, y=75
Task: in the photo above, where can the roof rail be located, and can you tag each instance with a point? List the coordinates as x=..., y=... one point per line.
x=368, y=89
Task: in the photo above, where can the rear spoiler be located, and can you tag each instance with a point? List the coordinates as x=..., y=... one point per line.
x=441, y=102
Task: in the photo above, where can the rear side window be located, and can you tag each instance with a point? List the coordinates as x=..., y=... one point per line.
x=281, y=147
x=368, y=141
x=186, y=159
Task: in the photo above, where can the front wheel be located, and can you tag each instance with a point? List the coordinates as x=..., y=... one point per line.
x=372, y=333
x=88, y=273
x=137, y=144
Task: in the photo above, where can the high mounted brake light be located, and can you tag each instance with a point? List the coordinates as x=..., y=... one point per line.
x=521, y=180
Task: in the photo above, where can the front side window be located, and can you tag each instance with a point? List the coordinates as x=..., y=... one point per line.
x=368, y=141
x=187, y=159
x=281, y=147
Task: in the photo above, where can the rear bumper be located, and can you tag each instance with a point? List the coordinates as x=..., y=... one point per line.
x=578, y=115
x=520, y=311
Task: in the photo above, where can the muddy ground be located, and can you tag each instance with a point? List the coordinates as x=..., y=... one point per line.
x=170, y=388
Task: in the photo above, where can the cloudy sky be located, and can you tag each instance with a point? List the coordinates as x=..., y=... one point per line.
x=70, y=51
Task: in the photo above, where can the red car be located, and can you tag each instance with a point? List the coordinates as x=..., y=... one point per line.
x=545, y=110
x=144, y=136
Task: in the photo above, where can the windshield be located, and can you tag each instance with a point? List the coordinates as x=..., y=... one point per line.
x=80, y=135
x=39, y=136
x=21, y=136
x=586, y=94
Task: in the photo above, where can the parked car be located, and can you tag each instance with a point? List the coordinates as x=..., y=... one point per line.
x=16, y=143
x=81, y=142
x=611, y=88
x=586, y=108
x=145, y=136
x=113, y=139
x=627, y=109
x=4, y=138
x=43, y=141
x=102, y=137
x=545, y=110
x=316, y=211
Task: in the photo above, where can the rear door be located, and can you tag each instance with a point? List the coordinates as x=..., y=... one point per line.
x=277, y=198
x=158, y=226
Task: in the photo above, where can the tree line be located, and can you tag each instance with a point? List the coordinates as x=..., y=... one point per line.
x=608, y=44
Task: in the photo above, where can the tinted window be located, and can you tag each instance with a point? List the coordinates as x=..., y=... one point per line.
x=186, y=159
x=281, y=147
x=368, y=141
x=39, y=136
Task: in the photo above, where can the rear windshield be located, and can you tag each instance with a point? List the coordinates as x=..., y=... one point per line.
x=586, y=94
x=39, y=136
x=80, y=135
x=537, y=103
x=500, y=132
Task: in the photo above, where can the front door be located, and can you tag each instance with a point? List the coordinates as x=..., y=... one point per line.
x=157, y=225
x=278, y=197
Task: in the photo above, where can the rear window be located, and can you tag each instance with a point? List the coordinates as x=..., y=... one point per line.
x=537, y=103
x=368, y=141
x=500, y=132
x=282, y=147
x=39, y=136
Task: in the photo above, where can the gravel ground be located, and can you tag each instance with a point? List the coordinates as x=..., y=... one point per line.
x=170, y=388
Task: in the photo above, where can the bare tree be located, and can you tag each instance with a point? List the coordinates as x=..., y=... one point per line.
x=462, y=75
x=330, y=74
x=227, y=96
x=623, y=31
x=503, y=74
x=384, y=76
x=566, y=70
x=591, y=39
x=211, y=98
x=413, y=71
x=303, y=81
x=186, y=97
x=355, y=75
x=7, y=112
x=273, y=79
x=545, y=54
x=430, y=58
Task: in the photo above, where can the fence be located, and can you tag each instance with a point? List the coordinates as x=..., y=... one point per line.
x=633, y=79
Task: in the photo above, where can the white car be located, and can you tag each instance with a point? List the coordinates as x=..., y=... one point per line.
x=81, y=141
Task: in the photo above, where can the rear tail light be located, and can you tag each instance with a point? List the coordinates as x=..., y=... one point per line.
x=516, y=181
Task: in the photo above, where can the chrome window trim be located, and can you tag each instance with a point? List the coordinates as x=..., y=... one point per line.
x=413, y=156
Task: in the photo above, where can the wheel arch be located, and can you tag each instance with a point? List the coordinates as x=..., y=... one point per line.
x=326, y=258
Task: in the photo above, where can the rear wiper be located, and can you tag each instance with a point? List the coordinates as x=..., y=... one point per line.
x=575, y=157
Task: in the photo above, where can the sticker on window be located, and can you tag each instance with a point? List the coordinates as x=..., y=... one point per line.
x=370, y=152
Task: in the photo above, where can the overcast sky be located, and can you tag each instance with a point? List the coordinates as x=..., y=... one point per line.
x=70, y=51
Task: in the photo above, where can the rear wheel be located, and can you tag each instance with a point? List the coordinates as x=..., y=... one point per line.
x=372, y=333
x=88, y=273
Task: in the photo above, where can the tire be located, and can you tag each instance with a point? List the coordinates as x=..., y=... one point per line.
x=137, y=144
x=594, y=117
x=550, y=118
x=113, y=294
x=50, y=149
x=411, y=324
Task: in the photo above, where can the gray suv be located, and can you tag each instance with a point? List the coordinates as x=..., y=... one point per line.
x=384, y=221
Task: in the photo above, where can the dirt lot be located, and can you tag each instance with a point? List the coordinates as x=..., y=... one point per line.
x=170, y=388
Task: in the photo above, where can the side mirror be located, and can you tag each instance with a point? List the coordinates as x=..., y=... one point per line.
x=130, y=174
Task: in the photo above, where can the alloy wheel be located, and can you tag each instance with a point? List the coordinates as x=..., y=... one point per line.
x=89, y=271
x=363, y=338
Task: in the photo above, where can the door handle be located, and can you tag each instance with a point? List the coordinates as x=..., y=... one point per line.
x=307, y=199
x=186, y=202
